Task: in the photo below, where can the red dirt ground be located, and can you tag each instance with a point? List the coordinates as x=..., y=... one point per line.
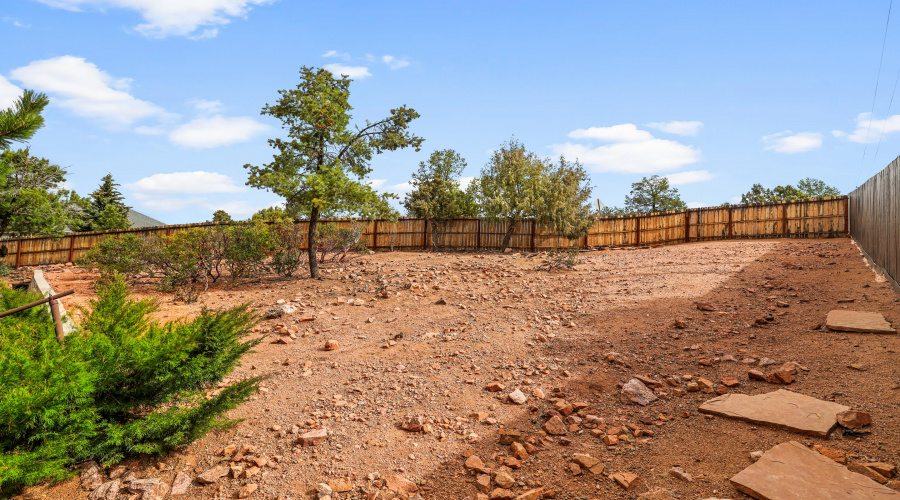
x=406, y=355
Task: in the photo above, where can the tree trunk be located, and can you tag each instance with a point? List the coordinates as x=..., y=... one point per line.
x=311, y=242
x=510, y=229
x=436, y=235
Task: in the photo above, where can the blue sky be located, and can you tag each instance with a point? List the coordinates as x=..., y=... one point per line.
x=166, y=94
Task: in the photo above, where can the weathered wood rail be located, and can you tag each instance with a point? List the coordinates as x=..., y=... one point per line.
x=813, y=218
x=875, y=219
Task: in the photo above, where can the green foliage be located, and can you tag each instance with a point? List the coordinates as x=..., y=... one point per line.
x=123, y=384
x=105, y=210
x=124, y=256
x=32, y=198
x=221, y=216
x=321, y=168
x=806, y=188
x=23, y=119
x=245, y=249
x=511, y=186
x=339, y=241
x=272, y=214
x=614, y=212
x=566, y=206
x=653, y=195
x=287, y=256
x=436, y=195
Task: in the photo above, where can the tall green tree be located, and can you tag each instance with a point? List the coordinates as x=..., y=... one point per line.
x=107, y=209
x=321, y=167
x=567, y=208
x=32, y=199
x=653, y=194
x=436, y=195
x=511, y=186
x=221, y=216
x=21, y=121
x=806, y=188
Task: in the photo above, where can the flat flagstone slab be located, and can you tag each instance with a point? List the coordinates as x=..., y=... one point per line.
x=784, y=409
x=791, y=471
x=843, y=320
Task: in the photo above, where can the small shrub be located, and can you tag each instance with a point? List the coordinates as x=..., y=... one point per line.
x=124, y=255
x=560, y=259
x=287, y=255
x=246, y=247
x=123, y=384
x=339, y=242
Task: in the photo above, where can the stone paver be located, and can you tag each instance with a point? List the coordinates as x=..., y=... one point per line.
x=791, y=471
x=784, y=409
x=857, y=321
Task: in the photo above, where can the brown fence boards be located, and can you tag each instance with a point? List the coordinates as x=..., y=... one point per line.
x=824, y=217
x=875, y=218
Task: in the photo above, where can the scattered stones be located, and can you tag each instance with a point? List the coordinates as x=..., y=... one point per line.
x=331, y=345
x=657, y=494
x=509, y=436
x=869, y=473
x=679, y=473
x=247, y=490
x=518, y=397
x=854, y=419
x=626, y=480
x=106, y=491
x=555, y=426
x=704, y=306
x=495, y=387
x=473, y=463
x=181, y=484
x=412, y=423
x=313, y=437
x=91, y=476
x=756, y=375
x=784, y=409
x=836, y=455
x=636, y=392
x=857, y=321
x=212, y=475
x=400, y=485
x=730, y=382
x=803, y=473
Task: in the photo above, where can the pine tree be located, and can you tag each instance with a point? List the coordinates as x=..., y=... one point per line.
x=20, y=122
x=107, y=210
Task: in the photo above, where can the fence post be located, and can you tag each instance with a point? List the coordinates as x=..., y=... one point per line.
x=784, y=228
x=478, y=235
x=72, y=249
x=847, y=215
x=687, y=226
x=730, y=229
x=425, y=234
x=533, y=230
x=637, y=231
x=18, y=252
x=375, y=236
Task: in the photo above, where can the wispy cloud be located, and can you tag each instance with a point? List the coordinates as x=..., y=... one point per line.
x=632, y=150
x=791, y=143
x=195, y=19
x=678, y=127
x=210, y=132
x=8, y=93
x=394, y=63
x=690, y=177
x=83, y=88
x=868, y=129
x=197, y=182
x=341, y=55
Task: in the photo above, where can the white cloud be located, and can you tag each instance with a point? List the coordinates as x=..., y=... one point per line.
x=626, y=132
x=216, y=131
x=696, y=204
x=464, y=182
x=15, y=22
x=206, y=105
x=400, y=189
x=191, y=18
x=394, y=63
x=690, y=177
x=736, y=199
x=357, y=72
x=333, y=53
x=678, y=128
x=199, y=182
x=376, y=183
x=145, y=130
x=9, y=93
x=83, y=88
x=869, y=129
x=632, y=150
x=790, y=143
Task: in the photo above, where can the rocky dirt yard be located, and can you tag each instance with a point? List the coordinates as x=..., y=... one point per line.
x=475, y=376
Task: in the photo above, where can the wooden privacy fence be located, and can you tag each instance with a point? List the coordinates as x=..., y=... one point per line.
x=875, y=219
x=823, y=217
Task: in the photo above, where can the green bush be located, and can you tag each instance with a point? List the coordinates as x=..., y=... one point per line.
x=287, y=242
x=125, y=255
x=123, y=384
x=246, y=248
x=338, y=242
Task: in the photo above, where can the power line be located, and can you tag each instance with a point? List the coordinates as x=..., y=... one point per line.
x=887, y=117
x=877, y=78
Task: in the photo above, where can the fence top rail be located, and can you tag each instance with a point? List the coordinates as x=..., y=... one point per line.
x=402, y=219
